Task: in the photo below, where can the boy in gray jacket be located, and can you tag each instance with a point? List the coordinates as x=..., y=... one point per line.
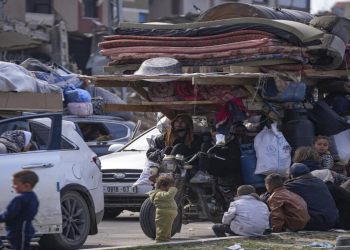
x=247, y=215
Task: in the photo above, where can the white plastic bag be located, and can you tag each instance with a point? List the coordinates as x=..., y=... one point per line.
x=342, y=143
x=272, y=152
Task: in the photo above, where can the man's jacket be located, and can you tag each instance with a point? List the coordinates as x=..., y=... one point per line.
x=320, y=204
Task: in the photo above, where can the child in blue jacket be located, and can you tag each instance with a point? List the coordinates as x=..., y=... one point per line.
x=20, y=212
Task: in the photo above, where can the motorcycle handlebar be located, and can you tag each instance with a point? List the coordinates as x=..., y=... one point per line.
x=207, y=154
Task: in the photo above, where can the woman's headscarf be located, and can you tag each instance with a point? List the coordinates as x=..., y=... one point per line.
x=323, y=174
x=170, y=135
x=16, y=140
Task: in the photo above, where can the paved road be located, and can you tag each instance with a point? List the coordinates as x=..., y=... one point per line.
x=125, y=230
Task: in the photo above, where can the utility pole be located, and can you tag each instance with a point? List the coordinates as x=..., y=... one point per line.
x=115, y=16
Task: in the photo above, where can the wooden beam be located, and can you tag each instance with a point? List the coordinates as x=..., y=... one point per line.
x=178, y=103
x=120, y=68
x=144, y=94
x=223, y=81
x=254, y=93
x=113, y=83
x=338, y=73
x=241, y=69
x=127, y=107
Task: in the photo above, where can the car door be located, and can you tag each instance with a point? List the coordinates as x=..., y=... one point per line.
x=44, y=159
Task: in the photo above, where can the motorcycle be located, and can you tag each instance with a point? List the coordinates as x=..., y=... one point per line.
x=196, y=202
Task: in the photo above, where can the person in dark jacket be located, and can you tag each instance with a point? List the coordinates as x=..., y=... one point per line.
x=21, y=211
x=340, y=195
x=228, y=171
x=178, y=139
x=320, y=204
x=309, y=157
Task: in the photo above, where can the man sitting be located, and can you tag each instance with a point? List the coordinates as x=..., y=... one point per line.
x=287, y=209
x=178, y=139
x=320, y=204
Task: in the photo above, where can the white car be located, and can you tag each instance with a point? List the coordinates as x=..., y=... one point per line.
x=70, y=188
x=123, y=168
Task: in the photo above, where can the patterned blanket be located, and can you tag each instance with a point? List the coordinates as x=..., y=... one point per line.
x=197, y=38
x=192, y=50
x=190, y=43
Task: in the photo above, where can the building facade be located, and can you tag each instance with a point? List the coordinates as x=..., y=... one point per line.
x=341, y=9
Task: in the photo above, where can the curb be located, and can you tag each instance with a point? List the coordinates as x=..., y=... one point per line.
x=170, y=243
x=183, y=242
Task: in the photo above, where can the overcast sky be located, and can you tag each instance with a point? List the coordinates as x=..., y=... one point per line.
x=317, y=5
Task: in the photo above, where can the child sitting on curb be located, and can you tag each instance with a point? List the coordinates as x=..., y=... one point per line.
x=247, y=215
x=166, y=208
x=321, y=144
x=287, y=209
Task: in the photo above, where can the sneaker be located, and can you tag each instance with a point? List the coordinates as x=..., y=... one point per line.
x=201, y=177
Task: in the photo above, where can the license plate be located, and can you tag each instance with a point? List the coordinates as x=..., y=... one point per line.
x=119, y=189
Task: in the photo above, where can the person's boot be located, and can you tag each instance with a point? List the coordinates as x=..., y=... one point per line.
x=201, y=177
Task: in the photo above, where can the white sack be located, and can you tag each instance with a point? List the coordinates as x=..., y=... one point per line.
x=342, y=143
x=272, y=152
x=16, y=78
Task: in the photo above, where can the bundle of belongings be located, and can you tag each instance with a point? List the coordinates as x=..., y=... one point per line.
x=285, y=46
x=36, y=77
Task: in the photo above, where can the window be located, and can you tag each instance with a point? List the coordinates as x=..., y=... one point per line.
x=38, y=6
x=40, y=134
x=118, y=130
x=93, y=131
x=142, y=142
x=89, y=8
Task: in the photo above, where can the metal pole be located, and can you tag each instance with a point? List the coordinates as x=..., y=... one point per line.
x=121, y=19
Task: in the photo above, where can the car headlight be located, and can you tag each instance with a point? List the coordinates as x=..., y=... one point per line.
x=168, y=166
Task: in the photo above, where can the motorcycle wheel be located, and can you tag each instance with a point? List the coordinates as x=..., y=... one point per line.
x=148, y=220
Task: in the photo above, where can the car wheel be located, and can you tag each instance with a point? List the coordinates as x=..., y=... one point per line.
x=75, y=226
x=112, y=213
x=148, y=220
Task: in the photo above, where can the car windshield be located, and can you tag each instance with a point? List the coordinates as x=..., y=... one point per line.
x=141, y=143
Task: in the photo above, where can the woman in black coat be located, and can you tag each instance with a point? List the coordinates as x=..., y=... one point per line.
x=340, y=195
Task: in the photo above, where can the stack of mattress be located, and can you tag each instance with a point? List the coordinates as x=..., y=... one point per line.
x=281, y=47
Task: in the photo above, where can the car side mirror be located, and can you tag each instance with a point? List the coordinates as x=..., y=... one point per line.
x=115, y=147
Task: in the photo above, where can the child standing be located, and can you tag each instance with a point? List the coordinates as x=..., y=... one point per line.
x=247, y=215
x=21, y=210
x=166, y=208
x=321, y=144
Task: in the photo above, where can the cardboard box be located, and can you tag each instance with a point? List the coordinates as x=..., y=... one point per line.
x=21, y=101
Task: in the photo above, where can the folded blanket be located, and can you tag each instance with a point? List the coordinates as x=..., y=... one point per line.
x=198, y=38
x=222, y=93
x=194, y=50
x=229, y=53
x=191, y=43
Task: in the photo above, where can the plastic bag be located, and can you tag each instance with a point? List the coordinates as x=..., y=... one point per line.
x=273, y=152
x=342, y=143
x=72, y=94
